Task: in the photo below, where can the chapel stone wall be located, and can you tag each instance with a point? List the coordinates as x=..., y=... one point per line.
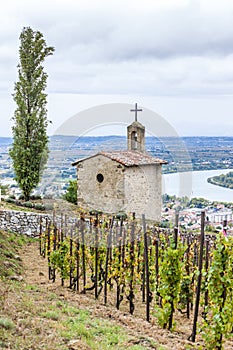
x=101, y=184
x=143, y=191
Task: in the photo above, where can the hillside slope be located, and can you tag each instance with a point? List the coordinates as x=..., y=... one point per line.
x=38, y=314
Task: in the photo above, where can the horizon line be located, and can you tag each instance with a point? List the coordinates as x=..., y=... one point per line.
x=122, y=135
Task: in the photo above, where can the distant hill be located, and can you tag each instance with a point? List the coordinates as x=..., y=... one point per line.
x=204, y=153
x=4, y=141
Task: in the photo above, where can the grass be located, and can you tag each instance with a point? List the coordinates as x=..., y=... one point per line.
x=96, y=333
x=51, y=315
x=6, y=323
x=54, y=325
x=10, y=245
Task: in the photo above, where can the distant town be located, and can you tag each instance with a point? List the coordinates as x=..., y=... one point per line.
x=195, y=153
x=219, y=216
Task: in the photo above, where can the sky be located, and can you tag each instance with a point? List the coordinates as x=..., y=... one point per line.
x=172, y=57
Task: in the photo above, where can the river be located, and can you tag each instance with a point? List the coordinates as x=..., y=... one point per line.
x=194, y=184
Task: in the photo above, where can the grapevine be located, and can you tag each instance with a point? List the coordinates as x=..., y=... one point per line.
x=170, y=279
x=219, y=321
x=128, y=262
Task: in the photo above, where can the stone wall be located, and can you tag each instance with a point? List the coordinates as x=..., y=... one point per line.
x=107, y=194
x=143, y=191
x=22, y=222
x=28, y=223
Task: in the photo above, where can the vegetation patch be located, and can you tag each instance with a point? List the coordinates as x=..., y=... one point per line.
x=20, y=204
x=10, y=261
x=6, y=323
x=222, y=180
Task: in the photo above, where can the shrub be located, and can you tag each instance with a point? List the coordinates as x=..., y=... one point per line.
x=35, y=197
x=28, y=205
x=4, y=189
x=48, y=206
x=71, y=192
x=39, y=206
x=12, y=196
x=10, y=200
x=121, y=215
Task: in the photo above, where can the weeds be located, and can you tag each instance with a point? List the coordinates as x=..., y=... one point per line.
x=6, y=324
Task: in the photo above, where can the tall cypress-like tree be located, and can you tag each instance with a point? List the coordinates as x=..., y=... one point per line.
x=29, y=151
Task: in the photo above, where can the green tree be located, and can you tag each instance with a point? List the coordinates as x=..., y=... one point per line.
x=4, y=189
x=71, y=192
x=29, y=151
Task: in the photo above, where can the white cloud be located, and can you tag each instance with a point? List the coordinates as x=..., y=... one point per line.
x=149, y=48
x=174, y=76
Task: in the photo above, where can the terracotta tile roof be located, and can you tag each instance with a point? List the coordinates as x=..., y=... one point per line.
x=128, y=158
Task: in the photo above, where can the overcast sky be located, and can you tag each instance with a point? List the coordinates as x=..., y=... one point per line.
x=174, y=57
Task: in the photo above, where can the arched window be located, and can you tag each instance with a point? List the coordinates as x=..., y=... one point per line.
x=134, y=141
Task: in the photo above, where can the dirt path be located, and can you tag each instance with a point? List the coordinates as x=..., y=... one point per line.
x=36, y=273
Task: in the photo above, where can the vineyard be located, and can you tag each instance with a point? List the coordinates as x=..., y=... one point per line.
x=142, y=267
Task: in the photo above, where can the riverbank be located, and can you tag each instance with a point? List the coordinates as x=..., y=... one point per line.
x=222, y=180
x=195, y=184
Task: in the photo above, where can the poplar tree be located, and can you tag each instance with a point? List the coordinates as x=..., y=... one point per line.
x=29, y=150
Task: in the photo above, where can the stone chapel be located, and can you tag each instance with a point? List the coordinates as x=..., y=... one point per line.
x=122, y=181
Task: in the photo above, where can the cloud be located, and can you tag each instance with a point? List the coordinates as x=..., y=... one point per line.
x=176, y=76
x=125, y=33
x=150, y=47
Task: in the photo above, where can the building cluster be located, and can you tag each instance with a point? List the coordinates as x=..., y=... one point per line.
x=218, y=218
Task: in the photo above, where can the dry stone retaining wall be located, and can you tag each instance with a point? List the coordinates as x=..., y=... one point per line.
x=22, y=222
x=28, y=222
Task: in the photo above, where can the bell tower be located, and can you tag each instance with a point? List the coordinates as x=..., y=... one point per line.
x=136, y=134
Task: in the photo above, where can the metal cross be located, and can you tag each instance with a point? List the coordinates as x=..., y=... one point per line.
x=136, y=110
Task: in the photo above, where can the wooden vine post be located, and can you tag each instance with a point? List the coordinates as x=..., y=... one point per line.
x=176, y=230
x=109, y=243
x=40, y=236
x=131, y=284
x=188, y=274
x=198, y=289
x=96, y=256
x=54, y=249
x=83, y=254
x=206, y=278
x=49, y=249
x=147, y=276
x=120, y=265
x=45, y=238
x=218, y=325
x=71, y=255
x=62, y=239
x=77, y=260
x=157, y=265
x=143, y=276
